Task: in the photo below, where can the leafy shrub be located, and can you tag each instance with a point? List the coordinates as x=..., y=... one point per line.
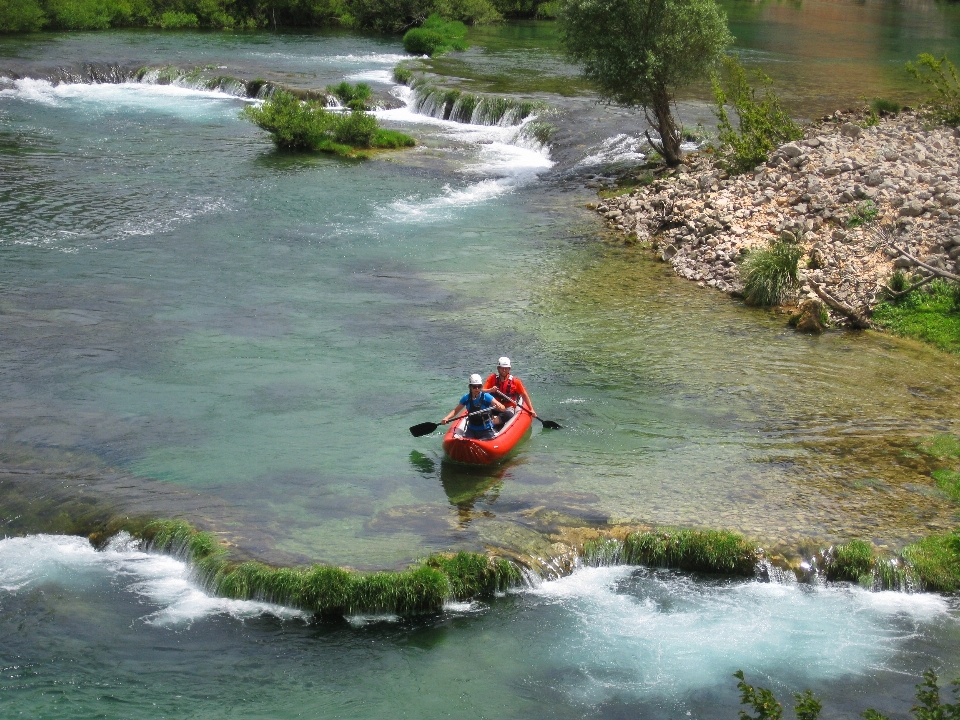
x=940, y=76
x=763, y=122
x=355, y=129
x=548, y=10
x=20, y=16
x=471, y=12
x=86, y=14
x=769, y=274
x=352, y=96
x=173, y=20
x=294, y=125
x=899, y=281
x=435, y=36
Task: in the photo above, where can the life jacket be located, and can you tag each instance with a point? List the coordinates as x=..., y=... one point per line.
x=478, y=422
x=507, y=387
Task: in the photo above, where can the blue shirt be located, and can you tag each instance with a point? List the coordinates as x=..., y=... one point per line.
x=484, y=401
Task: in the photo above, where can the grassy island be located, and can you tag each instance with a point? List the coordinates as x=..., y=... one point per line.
x=307, y=125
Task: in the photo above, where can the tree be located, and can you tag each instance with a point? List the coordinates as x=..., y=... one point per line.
x=639, y=52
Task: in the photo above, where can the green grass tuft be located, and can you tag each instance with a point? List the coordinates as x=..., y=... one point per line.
x=474, y=575
x=709, y=551
x=935, y=561
x=865, y=213
x=402, y=74
x=769, y=274
x=852, y=561
x=949, y=482
x=941, y=447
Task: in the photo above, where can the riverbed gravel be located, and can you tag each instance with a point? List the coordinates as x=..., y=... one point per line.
x=848, y=193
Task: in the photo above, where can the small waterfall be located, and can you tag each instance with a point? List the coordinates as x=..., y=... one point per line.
x=468, y=108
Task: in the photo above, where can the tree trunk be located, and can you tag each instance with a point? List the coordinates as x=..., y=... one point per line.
x=669, y=145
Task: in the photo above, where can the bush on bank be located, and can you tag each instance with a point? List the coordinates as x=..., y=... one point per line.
x=326, y=590
x=435, y=37
x=307, y=125
x=771, y=273
x=390, y=16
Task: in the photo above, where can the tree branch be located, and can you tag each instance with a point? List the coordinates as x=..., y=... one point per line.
x=856, y=318
x=935, y=271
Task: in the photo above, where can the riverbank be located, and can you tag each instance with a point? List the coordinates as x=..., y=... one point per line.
x=860, y=201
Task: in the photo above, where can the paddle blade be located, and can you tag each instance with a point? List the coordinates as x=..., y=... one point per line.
x=423, y=429
x=550, y=424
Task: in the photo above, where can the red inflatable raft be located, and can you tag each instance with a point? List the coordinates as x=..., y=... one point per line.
x=484, y=452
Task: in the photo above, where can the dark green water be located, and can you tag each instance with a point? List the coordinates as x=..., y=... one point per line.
x=193, y=324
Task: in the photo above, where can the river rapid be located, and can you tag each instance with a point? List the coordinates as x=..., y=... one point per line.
x=196, y=325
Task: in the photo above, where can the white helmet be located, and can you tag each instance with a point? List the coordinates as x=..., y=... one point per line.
x=475, y=380
x=503, y=362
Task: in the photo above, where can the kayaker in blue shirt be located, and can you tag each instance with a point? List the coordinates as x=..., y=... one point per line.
x=479, y=427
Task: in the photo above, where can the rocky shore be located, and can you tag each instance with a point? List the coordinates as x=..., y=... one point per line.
x=861, y=202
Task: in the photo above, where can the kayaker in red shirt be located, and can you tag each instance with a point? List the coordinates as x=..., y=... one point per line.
x=502, y=383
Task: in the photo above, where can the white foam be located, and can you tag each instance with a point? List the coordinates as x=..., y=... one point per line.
x=161, y=580
x=443, y=207
x=624, y=148
x=128, y=94
x=674, y=635
x=384, y=77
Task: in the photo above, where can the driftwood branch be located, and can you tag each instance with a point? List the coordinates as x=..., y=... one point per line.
x=936, y=271
x=893, y=294
x=857, y=319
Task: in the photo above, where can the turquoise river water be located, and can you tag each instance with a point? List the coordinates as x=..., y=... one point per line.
x=195, y=325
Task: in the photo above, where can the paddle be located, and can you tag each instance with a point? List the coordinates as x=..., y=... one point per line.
x=549, y=424
x=428, y=427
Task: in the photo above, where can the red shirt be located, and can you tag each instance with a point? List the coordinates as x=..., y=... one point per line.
x=511, y=387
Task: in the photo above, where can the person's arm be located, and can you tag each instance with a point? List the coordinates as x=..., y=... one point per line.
x=452, y=414
x=490, y=383
x=497, y=405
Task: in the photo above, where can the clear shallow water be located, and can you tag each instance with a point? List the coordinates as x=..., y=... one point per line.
x=122, y=634
x=196, y=325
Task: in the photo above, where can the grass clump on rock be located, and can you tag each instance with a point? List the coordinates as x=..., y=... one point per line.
x=930, y=314
x=435, y=37
x=308, y=125
x=852, y=561
x=708, y=551
x=935, y=561
x=771, y=273
x=327, y=590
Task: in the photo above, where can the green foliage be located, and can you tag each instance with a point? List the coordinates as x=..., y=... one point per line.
x=929, y=313
x=540, y=131
x=865, y=213
x=769, y=274
x=935, y=561
x=402, y=74
x=808, y=707
x=929, y=706
x=86, y=14
x=941, y=447
x=354, y=97
x=475, y=575
x=640, y=52
x=297, y=125
x=18, y=16
x=940, y=77
x=435, y=37
x=173, y=20
x=762, y=701
x=852, y=561
x=763, y=123
x=548, y=10
x=329, y=590
x=709, y=551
